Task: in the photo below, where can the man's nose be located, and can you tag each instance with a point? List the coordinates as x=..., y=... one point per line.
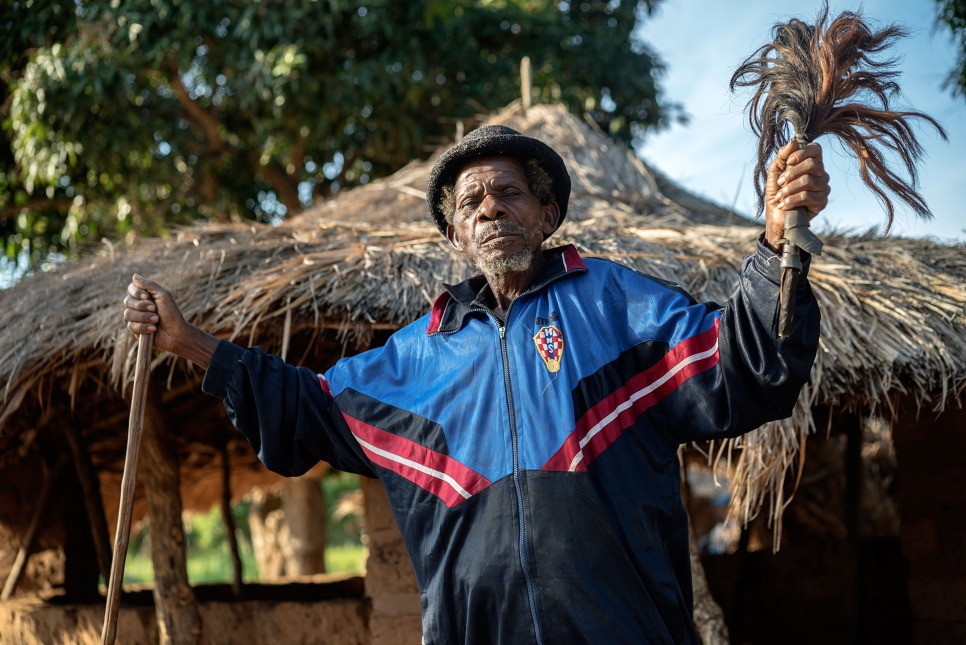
x=492, y=208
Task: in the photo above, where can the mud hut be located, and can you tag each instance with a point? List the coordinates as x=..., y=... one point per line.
x=340, y=278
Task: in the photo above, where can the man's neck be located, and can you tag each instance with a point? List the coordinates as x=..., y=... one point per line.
x=507, y=287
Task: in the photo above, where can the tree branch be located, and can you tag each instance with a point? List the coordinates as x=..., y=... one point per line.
x=209, y=125
x=297, y=154
x=204, y=120
x=35, y=204
x=286, y=186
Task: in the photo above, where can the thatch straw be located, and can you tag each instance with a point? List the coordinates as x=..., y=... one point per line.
x=370, y=260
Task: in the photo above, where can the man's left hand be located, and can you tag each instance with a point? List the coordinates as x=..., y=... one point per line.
x=796, y=179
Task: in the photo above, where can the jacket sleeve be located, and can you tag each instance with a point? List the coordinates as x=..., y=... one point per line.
x=285, y=412
x=759, y=376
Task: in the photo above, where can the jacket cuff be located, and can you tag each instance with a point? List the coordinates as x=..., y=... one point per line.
x=768, y=263
x=223, y=363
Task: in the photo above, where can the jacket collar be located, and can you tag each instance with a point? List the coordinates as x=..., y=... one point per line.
x=460, y=300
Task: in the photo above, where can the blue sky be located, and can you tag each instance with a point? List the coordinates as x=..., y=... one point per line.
x=703, y=42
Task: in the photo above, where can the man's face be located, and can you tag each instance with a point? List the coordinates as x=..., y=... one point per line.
x=498, y=224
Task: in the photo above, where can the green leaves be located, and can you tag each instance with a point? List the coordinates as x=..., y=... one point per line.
x=952, y=13
x=159, y=111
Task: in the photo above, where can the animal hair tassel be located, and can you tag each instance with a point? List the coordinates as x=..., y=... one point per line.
x=827, y=79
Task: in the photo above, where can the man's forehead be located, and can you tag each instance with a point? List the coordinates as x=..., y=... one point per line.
x=490, y=168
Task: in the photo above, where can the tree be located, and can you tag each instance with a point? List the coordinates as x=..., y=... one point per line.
x=130, y=116
x=952, y=13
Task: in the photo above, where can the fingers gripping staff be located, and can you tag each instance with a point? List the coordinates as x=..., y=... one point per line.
x=798, y=236
x=813, y=80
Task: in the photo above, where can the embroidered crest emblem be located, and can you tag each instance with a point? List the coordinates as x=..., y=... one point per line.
x=550, y=345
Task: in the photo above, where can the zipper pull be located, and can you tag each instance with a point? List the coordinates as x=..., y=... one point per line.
x=502, y=332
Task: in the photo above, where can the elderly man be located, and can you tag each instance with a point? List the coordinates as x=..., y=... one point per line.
x=526, y=429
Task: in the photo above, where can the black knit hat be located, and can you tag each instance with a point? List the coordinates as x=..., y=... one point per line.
x=490, y=141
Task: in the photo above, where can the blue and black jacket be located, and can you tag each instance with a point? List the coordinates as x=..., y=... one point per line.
x=532, y=464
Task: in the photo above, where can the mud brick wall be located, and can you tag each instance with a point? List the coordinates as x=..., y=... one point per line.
x=390, y=582
x=31, y=621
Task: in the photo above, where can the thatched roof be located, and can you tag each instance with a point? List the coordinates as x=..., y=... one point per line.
x=370, y=260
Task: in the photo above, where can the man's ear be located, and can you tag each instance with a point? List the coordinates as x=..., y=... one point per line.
x=451, y=236
x=551, y=214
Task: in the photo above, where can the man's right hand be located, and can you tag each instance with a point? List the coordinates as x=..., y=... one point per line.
x=150, y=308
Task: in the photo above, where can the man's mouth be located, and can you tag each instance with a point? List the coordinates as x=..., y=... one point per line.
x=499, y=235
x=498, y=232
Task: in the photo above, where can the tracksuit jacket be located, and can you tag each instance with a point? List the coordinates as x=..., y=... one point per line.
x=532, y=464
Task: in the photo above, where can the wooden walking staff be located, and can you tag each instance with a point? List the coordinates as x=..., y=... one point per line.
x=825, y=79
x=128, y=483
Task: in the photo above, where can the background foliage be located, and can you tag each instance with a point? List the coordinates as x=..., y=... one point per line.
x=135, y=115
x=952, y=14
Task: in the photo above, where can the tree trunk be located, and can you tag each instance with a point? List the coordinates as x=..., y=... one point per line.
x=288, y=529
x=179, y=620
x=304, y=506
x=265, y=519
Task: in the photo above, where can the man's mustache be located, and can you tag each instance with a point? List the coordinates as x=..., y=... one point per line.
x=499, y=226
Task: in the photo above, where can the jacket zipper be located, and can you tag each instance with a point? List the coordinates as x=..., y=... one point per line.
x=517, y=483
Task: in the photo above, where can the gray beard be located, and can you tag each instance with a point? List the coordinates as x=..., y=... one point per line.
x=501, y=264
x=505, y=264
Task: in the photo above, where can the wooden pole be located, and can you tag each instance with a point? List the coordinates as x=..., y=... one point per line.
x=34, y=527
x=526, y=87
x=91, y=490
x=229, y=522
x=709, y=619
x=128, y=483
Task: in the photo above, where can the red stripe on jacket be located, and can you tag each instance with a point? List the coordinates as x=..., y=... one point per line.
x=432, y=471
x=602, y=424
